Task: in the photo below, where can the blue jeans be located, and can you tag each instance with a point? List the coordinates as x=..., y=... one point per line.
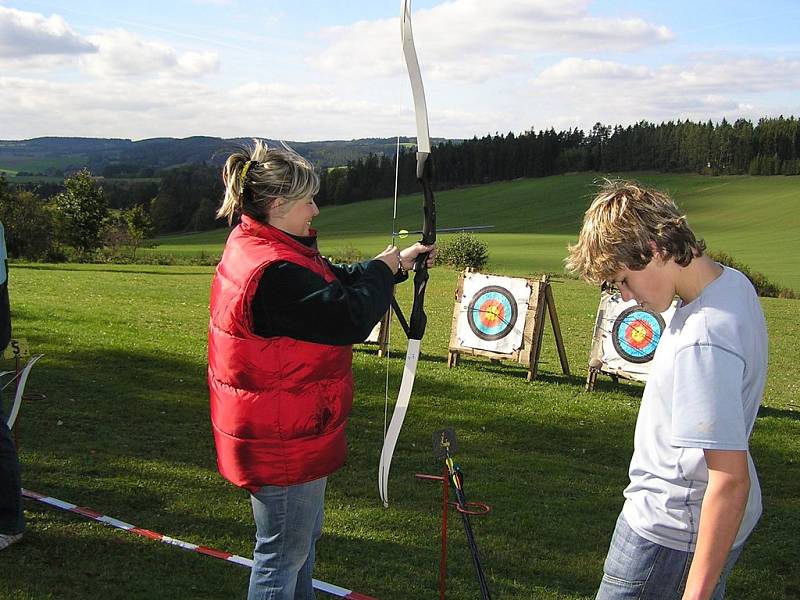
x=288, y=524
x=636, y=568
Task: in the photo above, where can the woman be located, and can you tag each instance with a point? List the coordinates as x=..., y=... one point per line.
x=283, y=320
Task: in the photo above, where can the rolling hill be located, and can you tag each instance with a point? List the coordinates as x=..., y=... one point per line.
x=51, y=156
x=754, y=219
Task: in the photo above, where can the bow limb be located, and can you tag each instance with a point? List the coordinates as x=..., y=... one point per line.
x=398, y=416
x=423, y=164
x=418, y=319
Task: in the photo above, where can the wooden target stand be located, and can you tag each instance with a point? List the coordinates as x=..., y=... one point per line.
x=380, y=334
x=540, y=304
x=605, y=358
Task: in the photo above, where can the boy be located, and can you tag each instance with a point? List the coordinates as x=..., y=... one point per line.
x=693, y=497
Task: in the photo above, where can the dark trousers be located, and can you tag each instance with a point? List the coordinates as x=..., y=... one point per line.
x=11, y=518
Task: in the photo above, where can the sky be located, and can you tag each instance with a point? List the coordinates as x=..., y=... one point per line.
x=326, y=69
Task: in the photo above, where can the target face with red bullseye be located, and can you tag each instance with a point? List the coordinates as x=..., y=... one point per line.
x=492, y=313
x=636, y=334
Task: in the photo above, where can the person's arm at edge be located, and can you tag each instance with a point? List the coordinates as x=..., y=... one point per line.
x=720, y=517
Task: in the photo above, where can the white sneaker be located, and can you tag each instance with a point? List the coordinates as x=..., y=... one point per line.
x=6, y=539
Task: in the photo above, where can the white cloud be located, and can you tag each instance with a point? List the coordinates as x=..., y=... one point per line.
x=711, y=88
x=744, y=75
x=194, y=64
x=363, y=49
x=124, y=54
x=31, y=41
x=157, y=107
x=571, y=69
x=725, y=74
x=25, y=35
x=110, y=108
x=472, y=40
x=488, y=67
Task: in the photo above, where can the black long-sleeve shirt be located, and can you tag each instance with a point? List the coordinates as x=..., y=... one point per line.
x=295, y=302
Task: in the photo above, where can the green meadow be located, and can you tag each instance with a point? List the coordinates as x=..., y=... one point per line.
x=124, y=427
x=754, y=219
x=12, y=165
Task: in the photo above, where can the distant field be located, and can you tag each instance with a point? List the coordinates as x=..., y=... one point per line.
x=12, y=164
x=12, y=177
x=754, y=219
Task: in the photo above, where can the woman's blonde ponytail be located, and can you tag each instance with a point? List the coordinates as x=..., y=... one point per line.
x=255, y=177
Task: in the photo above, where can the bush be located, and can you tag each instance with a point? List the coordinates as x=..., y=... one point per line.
x=764, y=287
x=464, y=251
x=346, y=256
x=81, y=211
x=28, y=223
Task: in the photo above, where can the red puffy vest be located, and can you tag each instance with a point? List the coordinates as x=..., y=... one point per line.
x=279, y=406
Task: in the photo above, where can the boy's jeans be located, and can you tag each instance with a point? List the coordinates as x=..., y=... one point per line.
x=636, y=568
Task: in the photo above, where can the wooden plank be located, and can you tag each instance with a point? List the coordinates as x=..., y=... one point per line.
x=591, y=379
x=453, y=347
x=538, y=331
x=530, y=325
x=383, y=336
x=551, y=308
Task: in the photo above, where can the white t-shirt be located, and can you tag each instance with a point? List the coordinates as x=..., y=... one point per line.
x=704, y=389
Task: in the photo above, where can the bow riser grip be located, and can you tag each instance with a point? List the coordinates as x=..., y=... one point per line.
x=418, y=319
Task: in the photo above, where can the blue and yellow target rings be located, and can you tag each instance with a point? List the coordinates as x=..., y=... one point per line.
x=492, y=313
x=636, y=334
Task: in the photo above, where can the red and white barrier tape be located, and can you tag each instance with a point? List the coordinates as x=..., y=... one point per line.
x=327, y=588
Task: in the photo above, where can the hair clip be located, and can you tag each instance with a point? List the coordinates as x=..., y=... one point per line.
x=243, y=174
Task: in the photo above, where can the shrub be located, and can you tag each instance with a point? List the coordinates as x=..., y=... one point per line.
x=81, y=211
x=28, y=222
x=764, y=287
x=463, y=251
x=346, y=256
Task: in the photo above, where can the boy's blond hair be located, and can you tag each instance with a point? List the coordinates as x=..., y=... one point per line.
x=619, y=226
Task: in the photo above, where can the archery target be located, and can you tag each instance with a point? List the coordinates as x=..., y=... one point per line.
x=626, y=336
x=636, y=333
x=492, y=312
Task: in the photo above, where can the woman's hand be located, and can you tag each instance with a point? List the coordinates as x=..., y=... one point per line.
x=409, y=255
x=391, y=257
x=398, y=260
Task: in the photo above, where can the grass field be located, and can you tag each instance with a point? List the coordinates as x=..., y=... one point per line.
x=754, y=219
x=124, y=430
x=13, y=164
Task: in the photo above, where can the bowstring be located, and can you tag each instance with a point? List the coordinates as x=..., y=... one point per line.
x=389, y=320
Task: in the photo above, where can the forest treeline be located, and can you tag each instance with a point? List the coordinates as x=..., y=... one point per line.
x=771, y=147
x=185, y=198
